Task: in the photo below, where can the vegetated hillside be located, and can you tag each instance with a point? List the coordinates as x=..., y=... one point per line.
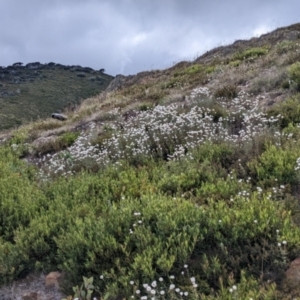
x=36, y=90
x=177, y=183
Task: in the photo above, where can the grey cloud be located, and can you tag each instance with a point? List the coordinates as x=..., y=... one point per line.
x=129, y=36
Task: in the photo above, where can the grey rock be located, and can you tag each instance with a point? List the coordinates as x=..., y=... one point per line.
x=116, y=83
x=60, y=117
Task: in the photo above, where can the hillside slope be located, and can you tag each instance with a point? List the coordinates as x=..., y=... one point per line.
x=178, y=183
x=36, y=90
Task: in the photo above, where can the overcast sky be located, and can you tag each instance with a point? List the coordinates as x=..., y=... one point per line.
x=130, y=36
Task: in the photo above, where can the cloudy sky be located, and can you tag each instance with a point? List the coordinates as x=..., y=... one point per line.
x=130, y=36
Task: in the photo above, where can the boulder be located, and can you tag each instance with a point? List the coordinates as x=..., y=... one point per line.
x=292, y=279
x=52, y=279
x=116, y=83
x=60, y=117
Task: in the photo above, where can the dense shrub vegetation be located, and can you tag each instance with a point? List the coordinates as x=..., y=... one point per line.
x=189, y=199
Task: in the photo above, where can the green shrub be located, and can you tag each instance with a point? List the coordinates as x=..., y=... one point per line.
x=216, y=110
x=20, y=202
x=235, y=63
x=275, y=166
x=247, y=288
x=250, y=54
x=210, y=69
x=293, y=131
x=185, y=178
x=12, y=263
x=19, y=199
x=285, y=47
x=193, y=69
x=155, y=95
x=101, y=138
x=220, y=189
x=68, y=138
x=196, y=73
x=145, y=106
x=86, y=289
x=294, y=74
x=119, y=255
x=285, y=84
x=174, y=82
x=288, y=110
x=227, y=91
x=18, y=137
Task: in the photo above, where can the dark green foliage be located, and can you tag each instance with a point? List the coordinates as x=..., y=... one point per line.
x=228, y=92
x=195, y=73
x=276, y=164
x=288, y=110
x=145, y=107
x=294, y=74
x=285, y=84
x=193, y=69
x=16, y=190
x=85, y=291
x=251, y=54
x=68, y=138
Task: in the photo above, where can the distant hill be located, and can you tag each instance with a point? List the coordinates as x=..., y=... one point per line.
x=36, y=90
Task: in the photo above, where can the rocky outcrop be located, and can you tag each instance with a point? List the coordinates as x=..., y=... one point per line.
x=34, y=65
x=52, y=279
x=116, y=83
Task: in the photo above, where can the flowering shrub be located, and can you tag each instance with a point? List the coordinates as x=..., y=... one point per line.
x=164, y=132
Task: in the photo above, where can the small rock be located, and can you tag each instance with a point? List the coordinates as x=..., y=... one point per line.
x=52, y=279
x=31, y=296
x=116, y=83
x=44, y=141
x=60, y=117
x=293, y=274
